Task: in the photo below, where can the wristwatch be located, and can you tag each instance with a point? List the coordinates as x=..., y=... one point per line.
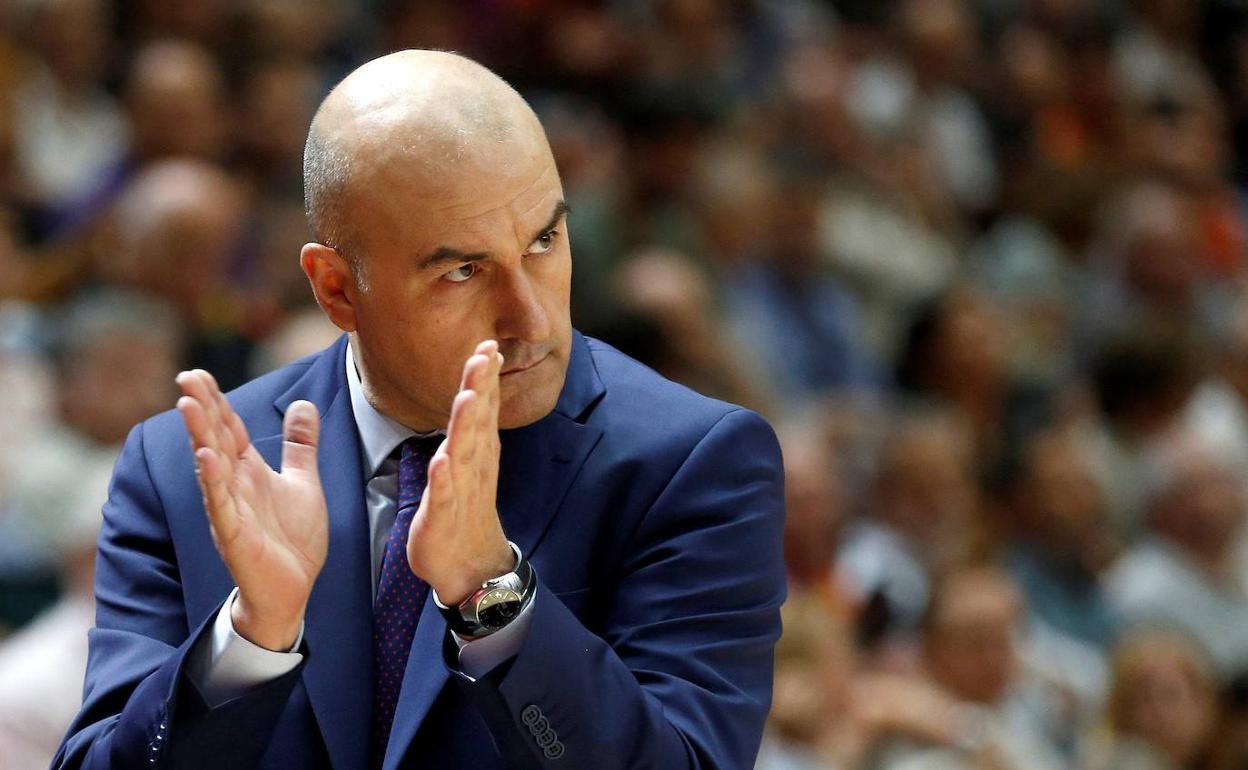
x=495, y=604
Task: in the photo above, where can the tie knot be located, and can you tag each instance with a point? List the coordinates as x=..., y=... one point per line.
x=420, y=447
x=414, y=456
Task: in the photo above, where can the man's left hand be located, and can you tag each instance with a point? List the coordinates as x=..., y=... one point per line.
x=456, y=541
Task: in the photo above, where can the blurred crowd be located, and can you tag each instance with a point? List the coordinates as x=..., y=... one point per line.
x=981, y=262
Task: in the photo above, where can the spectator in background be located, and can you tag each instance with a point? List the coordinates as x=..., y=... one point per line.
x=815, y=497
x=923, y=514
x=831, y=713
x=42, y=666
x=175, y=97
x=956, y=355
x=1162, y=710
x=1217, y=412
x=970, y=638
x=69, y=132
x=1062, y=539
x=941, y=43
x=301, y=334
x=814, y=666
x=1152, y=274
x=277, y=102
x=667, y=291
x=27, y=411
x=802, y=324
x=1230, y=749
x=1189, y=572
x=1141, y=381
x=115, y=355
x=179, y=224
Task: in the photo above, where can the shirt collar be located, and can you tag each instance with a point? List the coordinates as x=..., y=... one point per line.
x=379, y=434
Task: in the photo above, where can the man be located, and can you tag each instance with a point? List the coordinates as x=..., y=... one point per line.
x=1189, y=573
x=651, y=516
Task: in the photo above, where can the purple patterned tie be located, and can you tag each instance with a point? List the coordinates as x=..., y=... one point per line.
x=400, y=594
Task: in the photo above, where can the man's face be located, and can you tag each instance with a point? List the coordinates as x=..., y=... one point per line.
x=475, y=250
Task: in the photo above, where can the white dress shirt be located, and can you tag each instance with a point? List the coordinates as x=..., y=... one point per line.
x=225, y=665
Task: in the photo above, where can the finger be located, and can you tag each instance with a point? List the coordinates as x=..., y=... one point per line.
x=218, y=502
x=487, y=417
x=301, y=432
x=242, y=441
x=474, y=367
x=485, y=349
x=193, y=417
x=490, y=447
x=198, y=385
x=462, y=437
x=212, y=474
x=437, y=495
x=195, y=411
x=441, y=486
x=495, y=391
x=196, y=422
x=225, y=419
x=461, y=433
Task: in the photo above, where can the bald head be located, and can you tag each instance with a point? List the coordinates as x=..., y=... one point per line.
x=433, y=112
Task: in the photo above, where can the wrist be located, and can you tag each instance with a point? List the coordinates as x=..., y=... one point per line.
x=453, y=592
x=268, y=629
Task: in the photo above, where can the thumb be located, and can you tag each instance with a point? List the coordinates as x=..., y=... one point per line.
x=301, y=431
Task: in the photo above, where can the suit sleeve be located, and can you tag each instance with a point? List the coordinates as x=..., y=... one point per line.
x=139, y=707
x=682, y=677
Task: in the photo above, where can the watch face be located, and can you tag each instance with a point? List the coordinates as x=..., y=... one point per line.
x=497, y=607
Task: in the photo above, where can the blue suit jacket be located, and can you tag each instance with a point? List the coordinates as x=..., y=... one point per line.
x=652, y=515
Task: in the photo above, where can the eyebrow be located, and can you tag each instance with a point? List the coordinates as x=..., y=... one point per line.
x=449, y=254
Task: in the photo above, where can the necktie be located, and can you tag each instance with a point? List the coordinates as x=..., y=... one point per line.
x=400, y=594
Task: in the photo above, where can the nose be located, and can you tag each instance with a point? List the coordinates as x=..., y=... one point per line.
x=521, y=315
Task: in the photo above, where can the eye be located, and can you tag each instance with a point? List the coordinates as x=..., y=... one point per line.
x=544, y=243
x=461, y=273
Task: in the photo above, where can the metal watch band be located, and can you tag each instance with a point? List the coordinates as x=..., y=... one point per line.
x=495, y=604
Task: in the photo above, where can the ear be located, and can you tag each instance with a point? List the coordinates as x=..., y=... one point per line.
x=332, y=283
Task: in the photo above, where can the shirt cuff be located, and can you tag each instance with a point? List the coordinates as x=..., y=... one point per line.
x=477, y=657
x=225, y=665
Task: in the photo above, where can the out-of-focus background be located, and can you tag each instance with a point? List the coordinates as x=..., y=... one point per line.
x=981, y=262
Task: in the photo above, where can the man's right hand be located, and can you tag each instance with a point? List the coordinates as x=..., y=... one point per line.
x=271, y=529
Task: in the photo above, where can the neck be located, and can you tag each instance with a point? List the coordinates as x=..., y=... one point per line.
x=375, y=391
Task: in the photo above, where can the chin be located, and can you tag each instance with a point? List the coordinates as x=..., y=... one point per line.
x=525, y=410
x=526, y=404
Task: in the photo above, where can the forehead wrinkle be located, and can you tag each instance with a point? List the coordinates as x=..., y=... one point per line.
x=451, y=208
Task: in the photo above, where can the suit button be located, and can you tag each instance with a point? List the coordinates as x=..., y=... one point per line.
x=554, y=750
x=530, y=715
x=547, y=739
x=540, y=726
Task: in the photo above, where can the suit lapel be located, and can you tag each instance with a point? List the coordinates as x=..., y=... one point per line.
x=338, y=627
x=538, y=464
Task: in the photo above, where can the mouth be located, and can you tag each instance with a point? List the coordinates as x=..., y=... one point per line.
x=523, y=367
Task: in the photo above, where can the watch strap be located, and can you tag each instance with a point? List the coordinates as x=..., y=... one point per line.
x=496, y=603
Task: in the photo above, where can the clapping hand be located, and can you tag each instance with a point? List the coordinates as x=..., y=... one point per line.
x=456, y=541
x=271, y=528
